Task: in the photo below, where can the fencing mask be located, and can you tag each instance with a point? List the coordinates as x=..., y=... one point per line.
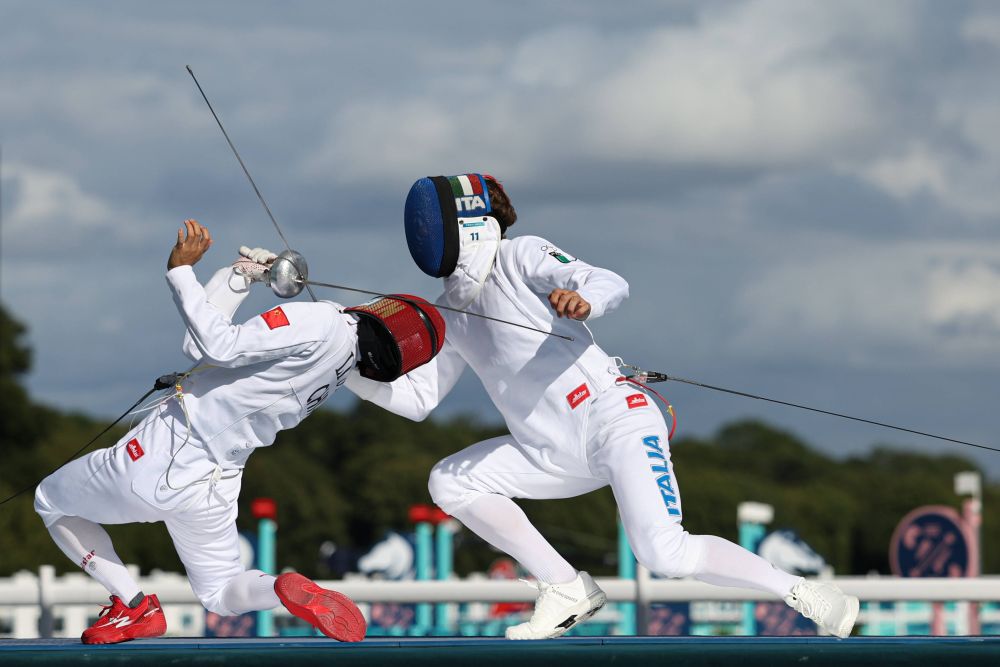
x=439, y=211
x=452, y=233
x=396, y=334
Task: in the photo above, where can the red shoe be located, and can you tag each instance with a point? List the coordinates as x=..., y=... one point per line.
x=330, y=612
x=120, y=623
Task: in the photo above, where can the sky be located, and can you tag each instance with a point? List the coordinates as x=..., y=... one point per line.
x=804, y=196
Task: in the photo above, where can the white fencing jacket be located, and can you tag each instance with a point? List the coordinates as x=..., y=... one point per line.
x=256, y=378
x=542, y=385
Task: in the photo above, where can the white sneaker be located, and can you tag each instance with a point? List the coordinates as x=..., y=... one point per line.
x=559, y=607
x=827, y=605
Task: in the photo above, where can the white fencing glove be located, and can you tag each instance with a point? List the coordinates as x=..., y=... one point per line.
x=259, y=255
x=254, y=263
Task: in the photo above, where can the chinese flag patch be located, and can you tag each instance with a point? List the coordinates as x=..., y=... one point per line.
x=637, y=401
x=275, y=318
x=578, y=396
x=134, y=449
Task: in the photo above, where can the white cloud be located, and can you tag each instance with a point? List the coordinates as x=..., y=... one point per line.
x=755, y=86
x=982, y=28
x=371, y=139
x=952, y=152
x=916, y=305
x=104, y=104
x=744, y=107
x=49, y=213
x=957, y=162
x=758, y=85
x=914, y=171
x=965, y=296
x=562, y=58
x=47, y=201
x=977, y=117
x=671, y=108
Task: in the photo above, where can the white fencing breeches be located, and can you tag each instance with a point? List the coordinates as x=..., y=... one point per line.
x=104, y=487
x=627, y=448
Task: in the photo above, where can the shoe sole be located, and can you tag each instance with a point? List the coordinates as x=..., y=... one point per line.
x=126, y=636
x=330, y=612
x=571, y=622
x=847, y=624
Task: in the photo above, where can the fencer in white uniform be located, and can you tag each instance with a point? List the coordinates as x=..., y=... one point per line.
x=182, y=463
x=575, y=426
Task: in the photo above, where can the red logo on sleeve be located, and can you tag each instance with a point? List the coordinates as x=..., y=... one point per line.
x=637, y=401
x=578, y=396
x=275, y=318
x=134, y=449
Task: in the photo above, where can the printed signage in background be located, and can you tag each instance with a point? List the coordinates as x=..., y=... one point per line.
x=777, y=619
x=244, y=625
x=932, y=541
x=670, y=619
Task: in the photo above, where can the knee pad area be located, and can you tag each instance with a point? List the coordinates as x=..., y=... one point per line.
x=45, y=509
x=446, y=490
x=449, y=491
x=670, y=551
x=215, y=601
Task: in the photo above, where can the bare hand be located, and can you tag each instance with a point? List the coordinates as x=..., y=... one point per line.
x=193, y=241
x=568, y=303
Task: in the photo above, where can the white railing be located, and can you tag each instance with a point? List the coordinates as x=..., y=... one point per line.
x=646, y=590
x=28, y=601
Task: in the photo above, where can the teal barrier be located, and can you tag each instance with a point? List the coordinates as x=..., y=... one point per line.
x=424, y=548
x=750, y=536
x=611, y=651
x=626, y=570
x=443, y=572
x=266, y=537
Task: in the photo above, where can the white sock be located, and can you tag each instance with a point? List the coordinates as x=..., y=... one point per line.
x=727, y=564
x=498, y=520
x=250, y=591
x=89, y=546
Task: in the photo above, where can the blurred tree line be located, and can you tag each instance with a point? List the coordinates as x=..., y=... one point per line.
x=350, y=477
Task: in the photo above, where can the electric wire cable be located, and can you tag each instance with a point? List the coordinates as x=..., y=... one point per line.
x=650, y=376
x=246, y=171
x=653, y=376
x=162, y=382
x=436, y=305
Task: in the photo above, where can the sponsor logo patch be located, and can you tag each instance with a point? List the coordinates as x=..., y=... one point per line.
x=275, y=318
x=578, y=396
x=119, y=621
x=86, y=559
x=134, y=449
x=636, y=401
